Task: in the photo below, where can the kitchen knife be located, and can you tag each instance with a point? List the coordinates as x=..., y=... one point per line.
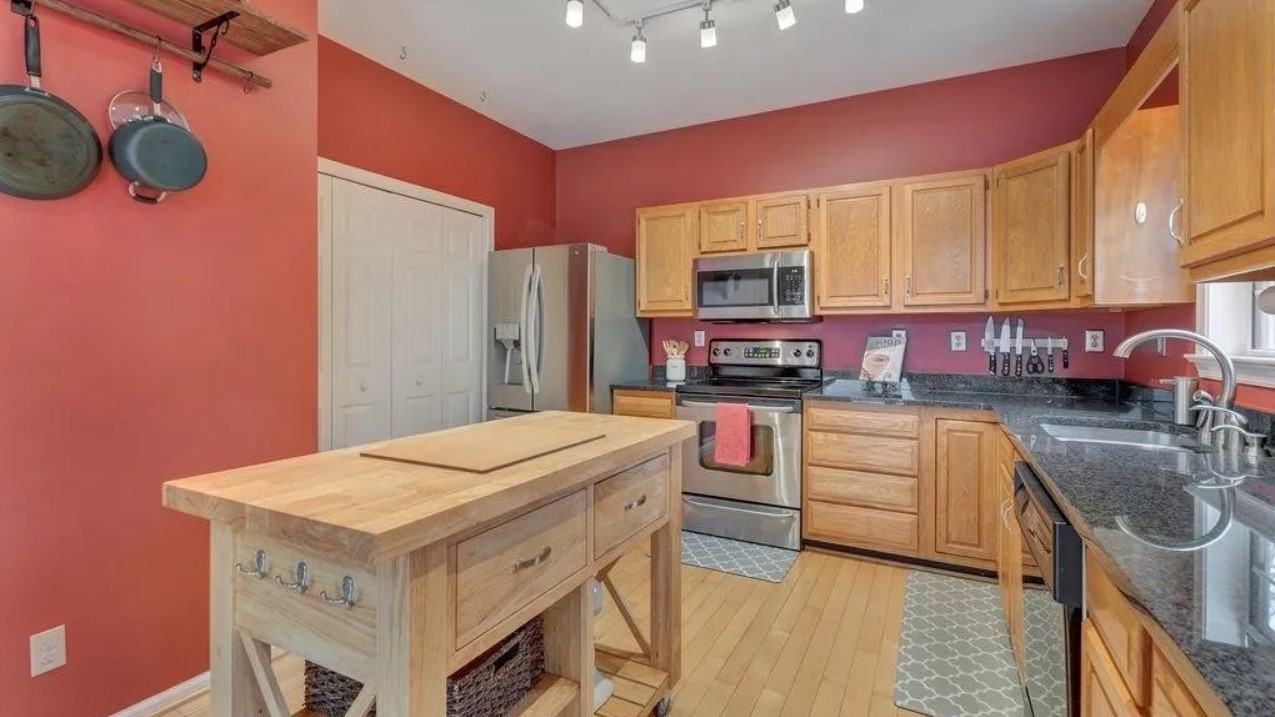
x=989, y=344
x=1018, y=353
x=1049, y=348
x=1004, y=347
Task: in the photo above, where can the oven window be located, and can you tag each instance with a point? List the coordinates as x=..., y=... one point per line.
x=763, y=462
x=746, y=287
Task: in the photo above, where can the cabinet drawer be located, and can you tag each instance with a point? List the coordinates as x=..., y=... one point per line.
x=1169, y=694
x=862, y=527
x=868, y=490
x=627, y=502
x=822, y=417
x=1114, y=621
x=642, y=404
x=866, y=453
x=503, y=569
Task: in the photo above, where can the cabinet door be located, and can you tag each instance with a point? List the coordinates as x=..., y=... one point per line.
x=665, y=251
x=853, y=246
x=1137, y=259
x=1102, y=692
x=1083, y=183
x=942, y=238
x=965, y=490
x=782, y=221
x=1228, y=95
x=1031, y=225
x=723, y=227
x=1009, y=562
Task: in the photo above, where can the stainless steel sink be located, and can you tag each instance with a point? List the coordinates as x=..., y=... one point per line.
x=1132, y=438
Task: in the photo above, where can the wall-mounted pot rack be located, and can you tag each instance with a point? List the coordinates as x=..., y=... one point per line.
x=237, y=22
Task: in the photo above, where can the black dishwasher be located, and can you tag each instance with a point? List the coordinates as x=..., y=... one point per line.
x=1051, y=618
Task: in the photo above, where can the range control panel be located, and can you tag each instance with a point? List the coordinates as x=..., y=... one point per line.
x=805, y=354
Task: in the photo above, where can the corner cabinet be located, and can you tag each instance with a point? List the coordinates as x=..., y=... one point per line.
x=853, y=229
x=665, y=246
x=1228, y=97
x=1031, y=229
x=942, y=241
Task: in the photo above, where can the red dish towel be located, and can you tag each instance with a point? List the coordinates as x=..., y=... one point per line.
x=734, y=444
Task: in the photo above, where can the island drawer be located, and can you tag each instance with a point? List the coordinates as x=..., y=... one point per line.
x=627, y=502
x=505, y=568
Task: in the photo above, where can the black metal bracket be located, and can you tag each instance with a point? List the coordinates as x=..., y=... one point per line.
x=219, y=26
x=25, y=8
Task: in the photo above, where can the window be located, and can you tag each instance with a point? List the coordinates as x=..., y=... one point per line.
x=1229, y=314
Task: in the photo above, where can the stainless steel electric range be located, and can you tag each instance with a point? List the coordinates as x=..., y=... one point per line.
x=759, y=502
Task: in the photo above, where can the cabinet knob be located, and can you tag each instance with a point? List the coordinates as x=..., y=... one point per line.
x=1173, y=223
x=1062, y=274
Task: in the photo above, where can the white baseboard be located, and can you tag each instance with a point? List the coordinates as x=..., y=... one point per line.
x=167, y=699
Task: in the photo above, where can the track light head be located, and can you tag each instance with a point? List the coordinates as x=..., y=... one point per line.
x=785, y=15
x=575, y=13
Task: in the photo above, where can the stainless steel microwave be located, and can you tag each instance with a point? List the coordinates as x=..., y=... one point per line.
x=769, y=286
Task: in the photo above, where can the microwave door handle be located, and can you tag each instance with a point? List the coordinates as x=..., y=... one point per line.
x=752, y=409
x=524, y=335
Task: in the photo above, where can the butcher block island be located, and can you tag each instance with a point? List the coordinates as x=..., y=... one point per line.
x=397, y=564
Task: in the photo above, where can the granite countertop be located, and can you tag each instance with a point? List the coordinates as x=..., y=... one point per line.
x=1142, y=509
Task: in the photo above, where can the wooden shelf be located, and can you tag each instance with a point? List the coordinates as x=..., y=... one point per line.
x=253, y=30
x=638, y=686
x=551, y=697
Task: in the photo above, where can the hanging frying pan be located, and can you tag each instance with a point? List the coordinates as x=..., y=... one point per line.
x=48, y=150
x=157, y=155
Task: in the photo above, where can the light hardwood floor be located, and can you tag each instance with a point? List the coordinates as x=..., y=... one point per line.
x=822, y=643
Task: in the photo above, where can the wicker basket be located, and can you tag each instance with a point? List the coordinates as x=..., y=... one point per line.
x=487, y=687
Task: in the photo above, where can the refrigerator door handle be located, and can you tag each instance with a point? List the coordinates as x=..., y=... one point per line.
x=523, y=330
x=536, y=324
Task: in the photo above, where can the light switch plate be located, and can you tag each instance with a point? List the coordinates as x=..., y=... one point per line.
x=957, y=339
x=901, y=334
x=48, y=650
x=1095, y=342
x=699, y=339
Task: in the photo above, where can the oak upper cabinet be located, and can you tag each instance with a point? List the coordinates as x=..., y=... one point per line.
x=1083, y=183
x=666, y=242
x=941, y=241
x=723, y=227
x=1228, y=97
x=852, y=243
x=782, y=222
x=966, y=491
x=1031, y=228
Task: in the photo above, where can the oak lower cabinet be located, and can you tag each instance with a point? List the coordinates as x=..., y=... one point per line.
x=643, y=404
x=1228, y=97
x=941, y=241
x=1102, y=693
x=966, y=491
x=666, y=249
x=1009, y=550
x=853, y=231
x=1031, y=229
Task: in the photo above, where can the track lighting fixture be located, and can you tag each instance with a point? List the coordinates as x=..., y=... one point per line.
x=638, y=52
x=708, y=28
x=784, y=14
x=854, y=6
x=575, y=13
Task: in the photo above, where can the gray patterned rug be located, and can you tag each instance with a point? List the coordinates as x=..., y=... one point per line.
x=760, y=562
x=955, y=659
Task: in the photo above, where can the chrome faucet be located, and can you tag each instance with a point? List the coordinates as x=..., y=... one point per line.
x=1213, y=415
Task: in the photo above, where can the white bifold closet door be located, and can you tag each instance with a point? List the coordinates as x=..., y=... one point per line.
x=406, y=315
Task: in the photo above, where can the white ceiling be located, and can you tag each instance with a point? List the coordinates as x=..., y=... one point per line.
x=517, y=62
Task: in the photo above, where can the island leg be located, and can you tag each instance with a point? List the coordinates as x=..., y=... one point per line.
x=666, y=580
x=412, y=630
x=569, y=646
x=234, y=691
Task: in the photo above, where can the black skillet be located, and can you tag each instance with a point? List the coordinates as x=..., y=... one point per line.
x=48, y=150
x=155, y=155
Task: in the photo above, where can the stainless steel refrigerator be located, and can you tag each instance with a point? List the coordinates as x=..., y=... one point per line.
x=562, y=327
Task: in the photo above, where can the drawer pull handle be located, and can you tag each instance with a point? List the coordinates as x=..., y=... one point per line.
x=302, y=582
x=346, y=599
x=635, y=503
x=260, y=566
x=533, y=562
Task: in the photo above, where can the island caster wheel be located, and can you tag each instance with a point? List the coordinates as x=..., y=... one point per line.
x=662, y=707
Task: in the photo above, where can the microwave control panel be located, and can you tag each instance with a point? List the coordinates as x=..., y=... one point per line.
x=792, y=285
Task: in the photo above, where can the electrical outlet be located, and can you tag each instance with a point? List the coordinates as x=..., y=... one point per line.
x=699, y=339
x=958, y=340
x=48, y=650
x=901, y=334
x=1095, y=342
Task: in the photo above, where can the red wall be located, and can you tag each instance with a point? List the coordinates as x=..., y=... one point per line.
x=376, y=119
x=143, y=344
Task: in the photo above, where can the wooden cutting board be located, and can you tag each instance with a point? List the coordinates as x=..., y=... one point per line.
x=484, y=447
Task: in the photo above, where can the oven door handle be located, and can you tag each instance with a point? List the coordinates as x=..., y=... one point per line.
x=732, y=509
x=754, y=409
